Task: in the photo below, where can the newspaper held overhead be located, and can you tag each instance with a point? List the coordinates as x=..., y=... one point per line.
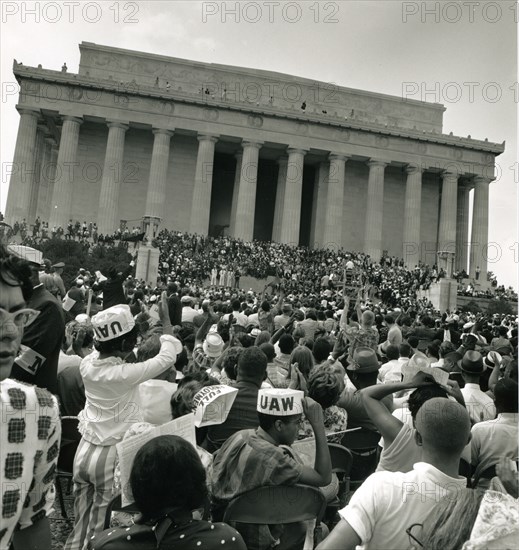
x=212, y=404
x=440, y=376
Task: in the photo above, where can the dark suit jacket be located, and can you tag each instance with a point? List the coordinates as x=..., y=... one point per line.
x=455, y=336
x=37, y=362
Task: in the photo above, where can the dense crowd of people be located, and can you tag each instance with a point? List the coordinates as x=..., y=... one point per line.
x=335, y=349
x=221, y=261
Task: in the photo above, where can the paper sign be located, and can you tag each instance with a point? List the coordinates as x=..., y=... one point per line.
x=440, y=376
x=29, y=360
x=183, y=427
x=100, y=277
x=68, y=302
x=305, y=450
x=213, y=404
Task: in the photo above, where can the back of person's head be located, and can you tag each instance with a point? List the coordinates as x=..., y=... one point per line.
x=443, y=426
x=230, y=361
x=506, y=396
x=265, y=306
x=286, y=344
x=368, y=318
x=389, y=319
x=413, y=341
x=446, y=348
x=433, y=349
x=236, y=305
x=112, y=273
x=304, y=359
x=325, y=386
x=392, y=352
x=268, y=349
x=263, y=336
x=321, y=349
x=419, y=396
x=252, y=365
x=167, y=473
x=311, y=314
x=502, y=331
x=427, y=321
x=149, y=348
x=404, y=350
x=172, y=288
x=450, y=522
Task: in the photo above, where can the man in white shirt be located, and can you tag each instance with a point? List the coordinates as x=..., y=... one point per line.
x=389, y=505
x=188, y=312
x=479, y=405
x=494, y=439
x=241, y=319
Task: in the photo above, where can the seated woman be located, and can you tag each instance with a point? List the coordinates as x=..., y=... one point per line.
x=168, y=483
x=325, y=386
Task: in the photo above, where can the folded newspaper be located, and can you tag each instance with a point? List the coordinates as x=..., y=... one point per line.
x=213, y=404
x=410, y=371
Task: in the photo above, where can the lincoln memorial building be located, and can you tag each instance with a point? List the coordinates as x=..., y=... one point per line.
x=215, y=149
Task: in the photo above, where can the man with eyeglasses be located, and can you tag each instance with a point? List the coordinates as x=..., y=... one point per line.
x=37, y=362
x=29, y=427
x=389, y=508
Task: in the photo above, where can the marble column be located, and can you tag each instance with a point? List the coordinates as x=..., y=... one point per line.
x=36, y=177
x=411, y=242
x=320, y=199
x=235, y=191
x=374, y=210
x=107, y=219
x=479, y=237
x=280, y=197
x=201, y=205
x=462, y=228
x=246, y=202
x=49, y=174
x=65, y=169
x=448, y=210
x=156, y=195
x=18, y=196
x=291, y=217
x=43, y=194
x=332, y=234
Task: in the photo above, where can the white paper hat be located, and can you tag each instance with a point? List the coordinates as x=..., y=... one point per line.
x=113, y=322
x=280, y=402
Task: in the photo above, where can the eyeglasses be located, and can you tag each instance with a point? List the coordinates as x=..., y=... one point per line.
x=413, y=538
x=21, y=318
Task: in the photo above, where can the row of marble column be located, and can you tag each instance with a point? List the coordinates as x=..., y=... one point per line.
x=26, y=199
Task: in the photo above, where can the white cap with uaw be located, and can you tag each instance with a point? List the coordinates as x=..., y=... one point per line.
x=280, y=402
x=113, y=322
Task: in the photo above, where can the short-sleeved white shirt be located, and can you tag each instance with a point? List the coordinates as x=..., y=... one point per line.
x=388, y=503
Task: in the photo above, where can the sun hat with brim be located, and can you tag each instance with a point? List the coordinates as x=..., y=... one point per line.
x=472, y=363
x=419, y=360
x=27, y=253
x=213, y=345
x=113, y=322
x=364, y=361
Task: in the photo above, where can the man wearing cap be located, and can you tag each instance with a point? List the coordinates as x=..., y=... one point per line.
x=479, y=404
x=390, y=505
x=254, y=458
x=47, y=278
x=112, y=403
x=37, y=362
x=58, y=281
x=76, y=299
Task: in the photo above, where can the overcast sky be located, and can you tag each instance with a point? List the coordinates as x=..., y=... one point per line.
x=369, y=45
